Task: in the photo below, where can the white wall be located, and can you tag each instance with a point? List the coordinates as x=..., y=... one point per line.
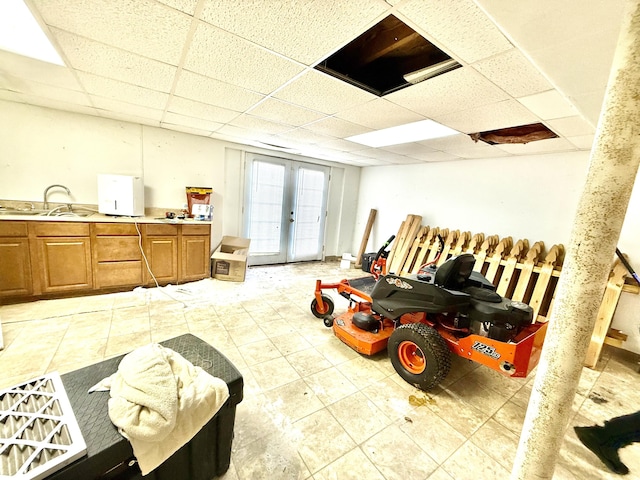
x=41, y=146
x=532, y=197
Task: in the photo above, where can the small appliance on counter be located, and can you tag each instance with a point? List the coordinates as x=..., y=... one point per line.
x=120, y=195
x=199, y=203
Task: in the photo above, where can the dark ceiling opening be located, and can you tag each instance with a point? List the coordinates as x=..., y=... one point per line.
x=379, y=60
x=522, y=134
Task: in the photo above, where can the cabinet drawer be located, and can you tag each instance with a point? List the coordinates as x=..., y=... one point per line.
x=115, y=249
x=161, y=229
x=115, y=229
x=59, y=229
x=119, y=274
x=13, y=229
x=196, y=229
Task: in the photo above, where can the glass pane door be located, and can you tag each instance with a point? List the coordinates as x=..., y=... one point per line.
x=286, y=211
x=309, y=213
x=267, y=181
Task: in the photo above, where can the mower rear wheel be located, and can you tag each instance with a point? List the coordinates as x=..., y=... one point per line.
x=419, y=354
x=327, y=306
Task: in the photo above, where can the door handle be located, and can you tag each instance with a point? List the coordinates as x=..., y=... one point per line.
x=291, y=220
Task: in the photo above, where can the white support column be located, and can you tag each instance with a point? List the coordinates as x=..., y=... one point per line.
x=612, y=172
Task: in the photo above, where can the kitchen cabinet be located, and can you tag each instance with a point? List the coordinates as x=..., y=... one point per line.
x=15, y=261
x=41, y=258
x=161, y=250
x=63, y=254
x=117, y=259
x=196, y=252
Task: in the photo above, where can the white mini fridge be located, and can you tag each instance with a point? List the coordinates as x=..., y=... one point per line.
x=121, y=195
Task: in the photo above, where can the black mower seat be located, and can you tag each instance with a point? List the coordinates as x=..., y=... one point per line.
x=483, y=294
x=454, y=273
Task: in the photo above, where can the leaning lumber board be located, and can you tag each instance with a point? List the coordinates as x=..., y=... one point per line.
x=435, y=247
x=518, y=251
x=462, y=243
x=448, y=245
x=404, y=242
x=474, y=244
x=365, y=236
x=486, y=249
x=553, y=257
x=605, y=313
x=501, y=251
x=527, y=270
x=425, y=248
x=411, y=257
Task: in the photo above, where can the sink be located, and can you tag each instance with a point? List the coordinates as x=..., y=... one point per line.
x=17, y=211
x=56, y=212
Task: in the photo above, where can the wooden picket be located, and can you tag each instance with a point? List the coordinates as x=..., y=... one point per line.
x=523, y=273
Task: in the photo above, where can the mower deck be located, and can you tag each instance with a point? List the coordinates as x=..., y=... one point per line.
x=367, y=343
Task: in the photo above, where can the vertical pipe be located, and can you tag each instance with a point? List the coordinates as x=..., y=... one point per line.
x=613, y=168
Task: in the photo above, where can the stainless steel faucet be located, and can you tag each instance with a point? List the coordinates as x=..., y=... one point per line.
x=45, y=205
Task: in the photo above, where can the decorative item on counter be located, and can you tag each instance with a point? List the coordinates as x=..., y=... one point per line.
x=199, y=203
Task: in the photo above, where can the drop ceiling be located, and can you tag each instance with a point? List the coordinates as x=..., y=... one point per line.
x=243, y=71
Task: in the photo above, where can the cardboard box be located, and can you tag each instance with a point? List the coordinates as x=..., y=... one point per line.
x=229, y=260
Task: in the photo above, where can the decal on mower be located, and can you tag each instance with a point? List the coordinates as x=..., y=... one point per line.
x=399, y=283
x=485, y=350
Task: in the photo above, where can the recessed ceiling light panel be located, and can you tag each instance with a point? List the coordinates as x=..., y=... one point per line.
x=410, y=132
x=20, y=33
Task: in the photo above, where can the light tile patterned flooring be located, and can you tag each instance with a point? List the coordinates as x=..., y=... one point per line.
x=313, y=408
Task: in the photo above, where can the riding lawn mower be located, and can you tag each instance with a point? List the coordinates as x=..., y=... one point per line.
x=424, y=318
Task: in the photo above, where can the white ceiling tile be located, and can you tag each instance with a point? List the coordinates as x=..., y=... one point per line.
x=378, y=114
x=305, y=136
x=186, y=129
x=445, y=143
x=191, y=108
x=463, y=27
x=508, y=113
x=549, y=105
x=513, y=73
x=305, y=31
x=397, y=159
x=108, y=104
x=283, y=112
x=571, y=126
x=223, y=56
x=321, y=92
x=259, y=124
x=342, y=145
x=25, y=68
x=186, y=6
x=436, y=157
x=191, y=122
x=116, y=90
x=242, y=134
x=571, y=44
x=46, y=91
x=100, y=59
x=583, y=142
x=58, y=104
x=478, y=150
x=144, y=27
x=208, y=90
x=124, y=117
x=414, y=149
x=337, y=127
x=457, y=90
x=541, y=146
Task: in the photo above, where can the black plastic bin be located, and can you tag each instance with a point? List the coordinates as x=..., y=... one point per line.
x=109, y=455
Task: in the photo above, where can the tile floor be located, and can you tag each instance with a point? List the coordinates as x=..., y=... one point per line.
x=313, y=408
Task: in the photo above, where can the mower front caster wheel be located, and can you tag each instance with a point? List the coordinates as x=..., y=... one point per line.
x=327, y=307
x=328, y=322
x=419, y=354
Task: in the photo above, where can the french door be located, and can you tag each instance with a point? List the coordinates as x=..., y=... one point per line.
x=286, y=205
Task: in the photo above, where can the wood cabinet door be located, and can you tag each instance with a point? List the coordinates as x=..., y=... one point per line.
x=15, y=267
x=162, y=255
x=65, y=263
x=195, y=258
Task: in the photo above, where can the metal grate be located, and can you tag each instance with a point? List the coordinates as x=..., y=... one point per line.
x=38, y=432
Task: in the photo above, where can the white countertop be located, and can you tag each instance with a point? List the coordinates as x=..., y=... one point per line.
x=99, y=218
